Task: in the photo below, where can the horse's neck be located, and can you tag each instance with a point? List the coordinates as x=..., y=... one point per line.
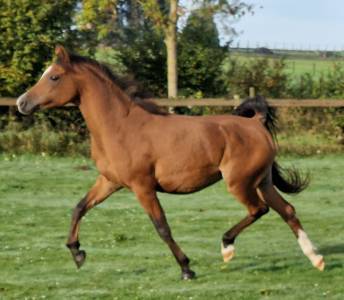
x=104, y=109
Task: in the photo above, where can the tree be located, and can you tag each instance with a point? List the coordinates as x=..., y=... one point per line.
x=165, y=19
x=125, y=40
x=97, y=21
x=30, y=30
x=144, y=56
x=200, y=56
x=113, y=21
x=164, y=15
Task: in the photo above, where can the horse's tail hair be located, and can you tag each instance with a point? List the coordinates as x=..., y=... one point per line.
x=259, y=106
x=286, y=180
x=290, y=180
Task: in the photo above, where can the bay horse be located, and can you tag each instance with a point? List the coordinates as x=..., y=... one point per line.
x=149, y=152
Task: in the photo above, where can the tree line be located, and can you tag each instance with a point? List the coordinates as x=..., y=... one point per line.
x=141, y=39
x=136, y=37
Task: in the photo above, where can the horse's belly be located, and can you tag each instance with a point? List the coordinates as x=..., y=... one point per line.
x=188, y=182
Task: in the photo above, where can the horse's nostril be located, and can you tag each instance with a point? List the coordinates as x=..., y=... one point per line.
x=22, y=104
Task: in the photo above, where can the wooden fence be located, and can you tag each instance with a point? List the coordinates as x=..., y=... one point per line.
x=226, y=102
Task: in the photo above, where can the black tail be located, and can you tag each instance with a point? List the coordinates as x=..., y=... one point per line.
x=290, y=180
x=286, y=180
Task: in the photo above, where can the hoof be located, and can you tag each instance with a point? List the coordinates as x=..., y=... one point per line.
x=187, y=275
x=79, y=258
x=227, y=252
x=319, y=263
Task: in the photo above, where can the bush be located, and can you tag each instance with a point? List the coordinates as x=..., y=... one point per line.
x=303, y=131
x=268, y=78
x=29, y=31
x=200, y=57
x=308, y=131
x=53, y=132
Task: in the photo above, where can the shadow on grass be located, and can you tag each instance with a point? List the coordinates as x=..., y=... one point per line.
x=332, y=249
x=265, y=268
x=332, y=265
x=329, y=250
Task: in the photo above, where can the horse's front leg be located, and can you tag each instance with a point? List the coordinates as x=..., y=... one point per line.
x=100, y=191
x=151, y=204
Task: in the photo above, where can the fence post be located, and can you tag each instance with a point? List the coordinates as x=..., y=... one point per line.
x=236, y=97
x=252, y=92
x=237, y=100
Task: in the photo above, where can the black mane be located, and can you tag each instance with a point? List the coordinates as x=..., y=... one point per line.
x=131, y=87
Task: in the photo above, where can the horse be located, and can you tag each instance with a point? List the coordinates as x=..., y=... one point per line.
x=146, y=151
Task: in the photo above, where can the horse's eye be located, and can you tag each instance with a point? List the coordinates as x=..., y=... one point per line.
x=54, y=78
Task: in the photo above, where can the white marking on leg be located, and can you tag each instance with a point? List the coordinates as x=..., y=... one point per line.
x=46, y=71
x=227, y=252
x=309, y=250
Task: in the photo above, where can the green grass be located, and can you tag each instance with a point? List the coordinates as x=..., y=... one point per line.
x=127, y=260
x=297, y=66
x=308, y=143
x=315, y=67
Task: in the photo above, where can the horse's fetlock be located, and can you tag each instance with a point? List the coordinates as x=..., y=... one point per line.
x=185, y=262
x=227, y=240
x=73, y=245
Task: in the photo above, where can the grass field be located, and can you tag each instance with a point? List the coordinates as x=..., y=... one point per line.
x=127, y=260
x=298, y=65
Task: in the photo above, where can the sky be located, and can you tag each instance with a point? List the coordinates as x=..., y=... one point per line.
x=293, y=24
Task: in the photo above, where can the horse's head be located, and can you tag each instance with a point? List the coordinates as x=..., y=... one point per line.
x=55, y=88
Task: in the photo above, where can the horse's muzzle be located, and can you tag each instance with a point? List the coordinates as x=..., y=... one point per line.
x=25, y=106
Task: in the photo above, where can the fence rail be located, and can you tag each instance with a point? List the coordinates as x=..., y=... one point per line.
x=226, y=102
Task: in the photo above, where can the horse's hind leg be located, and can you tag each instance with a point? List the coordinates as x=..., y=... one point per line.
x=97, y=194
x=256, y=208
x=151, y=204
x=287, y=212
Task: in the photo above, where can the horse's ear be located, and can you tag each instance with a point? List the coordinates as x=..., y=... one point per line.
x=62, y=55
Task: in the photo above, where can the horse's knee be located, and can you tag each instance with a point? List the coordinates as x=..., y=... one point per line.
x=263, y=210
x=80, y=209
x=163, y=230
x=165, y=233
x=290, y=211
x=257, y=212
x=291, y=219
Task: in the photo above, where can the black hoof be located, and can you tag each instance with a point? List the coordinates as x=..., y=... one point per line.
x=79, y=258
x=187, y=275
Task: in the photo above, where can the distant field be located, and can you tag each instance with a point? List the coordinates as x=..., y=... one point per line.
x=127, y=260
x=298, y=65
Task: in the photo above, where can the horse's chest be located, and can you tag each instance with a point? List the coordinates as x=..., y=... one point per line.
x=107, y=169
x=104, y=162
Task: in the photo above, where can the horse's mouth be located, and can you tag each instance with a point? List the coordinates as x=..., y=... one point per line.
x=23, y=109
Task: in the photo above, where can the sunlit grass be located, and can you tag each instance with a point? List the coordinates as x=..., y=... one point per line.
x=297, y=66
x=308, y=143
